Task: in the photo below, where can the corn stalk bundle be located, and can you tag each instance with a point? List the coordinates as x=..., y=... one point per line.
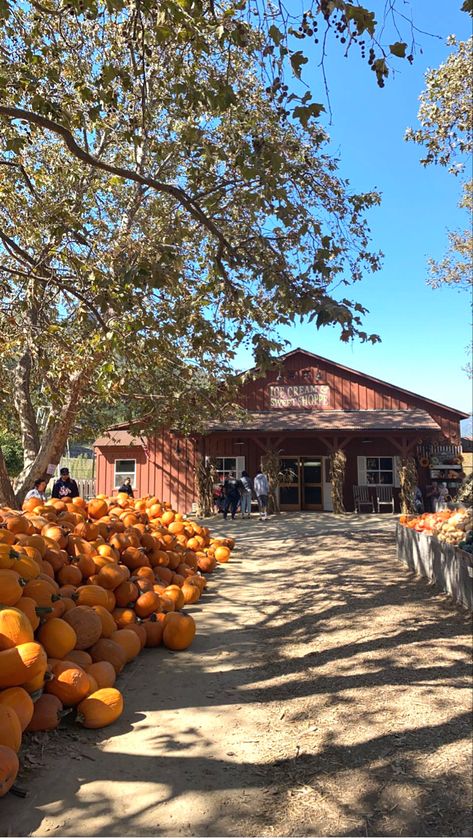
x=465, y=492
x=205, y=479
x=407, y=482
x=337, y=478
x=271, y=467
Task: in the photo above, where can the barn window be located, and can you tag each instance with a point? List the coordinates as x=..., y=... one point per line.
x=378, y=471
x=124, y=469
x=225, y=465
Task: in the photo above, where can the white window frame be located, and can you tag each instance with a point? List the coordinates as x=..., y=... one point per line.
x=362, y=478
x=124, y=474
x=237, y=468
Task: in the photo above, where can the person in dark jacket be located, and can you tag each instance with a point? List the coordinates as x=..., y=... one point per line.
x=65, y=487
x=231, y=489
x=127, y=487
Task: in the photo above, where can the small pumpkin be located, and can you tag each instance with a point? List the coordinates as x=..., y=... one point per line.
x=58, y=637
x=42, y=591
x=179, y=631
x=97, y=508
x=139, y=630
x=9, y=768
x=100, y=709
x=123, y=617
x=21, y=702
x=154, y=632
x=70, y=574
x=126, y=593
x=86, y=624
x=110, y=576
x=47, y=713
x=10, y=728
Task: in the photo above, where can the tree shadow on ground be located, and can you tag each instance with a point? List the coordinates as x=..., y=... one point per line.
x=381, y=785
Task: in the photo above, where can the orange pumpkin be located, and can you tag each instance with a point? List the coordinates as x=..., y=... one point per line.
x=21, y=702
x=110, y=576
x=97, y=508
x=126, y=593
x=21, y=664
x=109, y=650
x=91, y=595
x=10, y=728
x=11, y=587
x=147, y=603
x=174, y=592
x=129, y=641
x=154, y=632
x=108, y=623
x=15, y=628
x=139, y=630
x=86, y=624
x=123, y=617
x=58, y=637
x=70, y=683
x=42, y=590
x=80, y=657
x=9, y=767
x=70, y=574
x=47, y=713
x=179, y=631
x=103, y=672
x=100, y=709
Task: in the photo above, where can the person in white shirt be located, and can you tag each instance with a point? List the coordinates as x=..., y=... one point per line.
x=39, y=490
x=261, y=486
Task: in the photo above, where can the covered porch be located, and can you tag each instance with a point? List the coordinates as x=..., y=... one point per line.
x=372, y=441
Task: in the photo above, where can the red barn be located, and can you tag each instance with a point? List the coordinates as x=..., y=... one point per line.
x=305, y=408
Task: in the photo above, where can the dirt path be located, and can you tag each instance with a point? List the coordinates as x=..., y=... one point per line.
x=328, y=693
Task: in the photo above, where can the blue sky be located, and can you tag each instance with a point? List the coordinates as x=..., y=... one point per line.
x=424, y=332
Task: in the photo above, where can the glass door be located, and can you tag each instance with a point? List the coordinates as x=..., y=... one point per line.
x=311, y=483
x=289, y=488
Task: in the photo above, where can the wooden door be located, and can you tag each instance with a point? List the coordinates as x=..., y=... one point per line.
x=311, y=482
x=289, y=490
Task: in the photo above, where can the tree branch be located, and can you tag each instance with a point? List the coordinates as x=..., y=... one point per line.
x=127, y=174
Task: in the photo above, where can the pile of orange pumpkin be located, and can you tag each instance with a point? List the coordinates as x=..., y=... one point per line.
x=84, y=587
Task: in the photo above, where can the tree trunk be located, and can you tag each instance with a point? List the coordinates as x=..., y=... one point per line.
x=24, y=408
x=337, y=478
x=7, y=495
x=55, y=437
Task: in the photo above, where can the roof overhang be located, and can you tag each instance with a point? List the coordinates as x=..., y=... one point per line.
x=328, y=420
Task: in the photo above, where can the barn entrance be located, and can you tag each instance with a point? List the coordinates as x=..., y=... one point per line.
x=302, y=487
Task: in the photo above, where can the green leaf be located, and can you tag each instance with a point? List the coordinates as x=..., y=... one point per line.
x=275, y=34
x=304, y=113
x=297, y=59
x=365, y=20
x=468, y=7
x=398, y=49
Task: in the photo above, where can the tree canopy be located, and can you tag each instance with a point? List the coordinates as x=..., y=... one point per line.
x=165, y=196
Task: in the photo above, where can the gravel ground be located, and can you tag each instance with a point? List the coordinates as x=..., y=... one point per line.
x=328, y=693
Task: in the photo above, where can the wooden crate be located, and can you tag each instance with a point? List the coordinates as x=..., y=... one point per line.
x=450, y=568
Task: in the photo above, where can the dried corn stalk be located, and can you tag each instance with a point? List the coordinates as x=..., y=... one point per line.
x=408, y=483
x=205, y=480
x=465, y=492
x=271, y=467
x=337, y=478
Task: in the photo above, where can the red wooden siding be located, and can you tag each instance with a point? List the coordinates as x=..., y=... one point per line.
x=349, y=390
x=166, y=463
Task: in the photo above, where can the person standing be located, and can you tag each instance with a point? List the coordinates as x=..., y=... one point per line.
x=231, y=489
x=246, y=494
x=262, y=493
x=126, y=487
x=65, y=487
x=39, y=490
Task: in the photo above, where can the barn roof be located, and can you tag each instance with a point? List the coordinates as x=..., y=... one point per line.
x=299, y=351
x=328, y=420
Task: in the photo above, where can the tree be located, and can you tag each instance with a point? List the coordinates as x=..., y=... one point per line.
x=157, y=209
x=446, y=133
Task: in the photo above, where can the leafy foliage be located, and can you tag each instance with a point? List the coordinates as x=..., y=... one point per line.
x=157, y=209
